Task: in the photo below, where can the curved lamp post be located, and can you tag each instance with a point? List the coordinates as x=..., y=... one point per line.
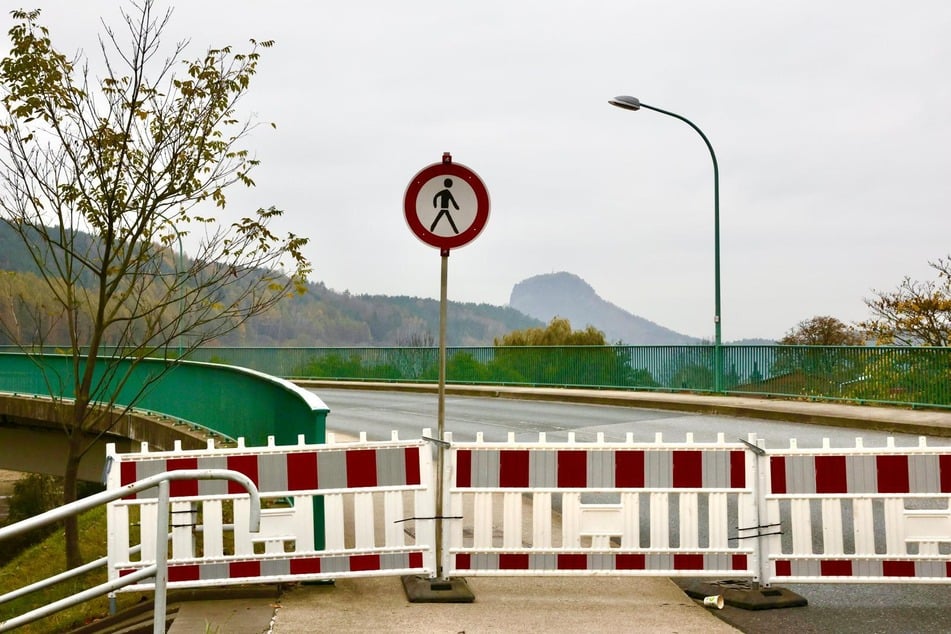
x=633, y=103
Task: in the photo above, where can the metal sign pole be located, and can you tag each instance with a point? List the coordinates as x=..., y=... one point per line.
x=441, y=408
x=446, y=205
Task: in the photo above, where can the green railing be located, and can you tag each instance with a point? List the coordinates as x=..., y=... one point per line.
x=232, y=401
x=919, y=376
x=916, y=376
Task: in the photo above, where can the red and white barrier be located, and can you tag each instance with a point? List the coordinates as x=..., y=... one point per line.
x=875, y=515
x=335, y=510
x=598, y=508
x=712, y=509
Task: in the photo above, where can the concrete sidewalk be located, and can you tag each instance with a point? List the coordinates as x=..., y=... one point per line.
x=503, y=604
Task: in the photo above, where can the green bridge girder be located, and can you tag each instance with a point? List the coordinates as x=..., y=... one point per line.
x=190, y=402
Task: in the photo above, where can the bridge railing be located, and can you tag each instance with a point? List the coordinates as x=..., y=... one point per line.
x=232, y=401
x=919, y=376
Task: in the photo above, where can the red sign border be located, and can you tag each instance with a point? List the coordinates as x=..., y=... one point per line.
x=446, y=169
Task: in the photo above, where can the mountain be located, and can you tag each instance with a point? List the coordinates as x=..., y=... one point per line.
x=567, y=295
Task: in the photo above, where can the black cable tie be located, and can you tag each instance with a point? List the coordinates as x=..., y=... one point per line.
x=750, y=528
x=441, y=443
x=435, y=517
x=754, y=536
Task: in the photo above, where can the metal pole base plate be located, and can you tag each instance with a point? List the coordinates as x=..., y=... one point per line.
x=421, y=589
x=741, y=593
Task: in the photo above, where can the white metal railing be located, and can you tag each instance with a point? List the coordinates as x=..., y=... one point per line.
x=55, y=579
x=157, y=569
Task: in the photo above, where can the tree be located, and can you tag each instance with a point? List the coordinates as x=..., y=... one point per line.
x=916, y=313
x=823, y=331
x=818, y=370
x=27, y=306
x=33, y=494
x=557, y=333
x=137, y=159
x=558, y=355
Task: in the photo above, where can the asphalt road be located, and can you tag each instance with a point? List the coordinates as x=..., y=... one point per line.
x=859, y=608
x=377, y=413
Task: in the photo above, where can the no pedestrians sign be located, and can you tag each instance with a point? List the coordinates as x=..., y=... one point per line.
x=446, y=204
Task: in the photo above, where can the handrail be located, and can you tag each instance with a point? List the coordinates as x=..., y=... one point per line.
x=52, y=581
x=63, y=576
x=160, y=568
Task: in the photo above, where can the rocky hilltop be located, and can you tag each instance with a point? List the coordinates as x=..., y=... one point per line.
x=567, y=295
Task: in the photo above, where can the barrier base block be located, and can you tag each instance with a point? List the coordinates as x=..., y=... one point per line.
x=421, y=589
x=745, y=594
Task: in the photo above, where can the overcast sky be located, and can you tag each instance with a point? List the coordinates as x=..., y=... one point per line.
x=831, y=121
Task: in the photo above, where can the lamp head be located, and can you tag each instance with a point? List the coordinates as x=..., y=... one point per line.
x=627, y=102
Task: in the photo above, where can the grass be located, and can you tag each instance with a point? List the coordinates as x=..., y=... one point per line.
x=46, y=559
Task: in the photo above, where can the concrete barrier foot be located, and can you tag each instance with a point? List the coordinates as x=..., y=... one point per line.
x=745, y=594
x=420, y=589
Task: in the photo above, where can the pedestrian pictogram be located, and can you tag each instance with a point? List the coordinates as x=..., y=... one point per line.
x=446, y=204
x=445, y=199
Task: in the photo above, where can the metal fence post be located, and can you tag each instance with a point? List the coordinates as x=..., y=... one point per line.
x=161, y=559
x=762, y=486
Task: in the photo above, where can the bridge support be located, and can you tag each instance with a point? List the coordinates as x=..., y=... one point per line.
x=32, y=439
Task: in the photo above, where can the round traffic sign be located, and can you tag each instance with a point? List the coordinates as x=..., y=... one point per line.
x=446, y=205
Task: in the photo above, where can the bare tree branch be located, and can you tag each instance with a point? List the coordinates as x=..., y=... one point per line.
x=101, y=177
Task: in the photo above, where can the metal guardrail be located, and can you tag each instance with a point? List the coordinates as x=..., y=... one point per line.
x=905, y=375
x=158, y=570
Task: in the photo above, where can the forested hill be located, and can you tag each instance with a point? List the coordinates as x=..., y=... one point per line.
x=323, y=317
x=320, y=317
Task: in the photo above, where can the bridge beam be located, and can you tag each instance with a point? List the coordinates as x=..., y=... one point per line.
x=32, y=437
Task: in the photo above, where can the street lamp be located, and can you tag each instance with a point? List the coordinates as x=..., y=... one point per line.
x=633, y=103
